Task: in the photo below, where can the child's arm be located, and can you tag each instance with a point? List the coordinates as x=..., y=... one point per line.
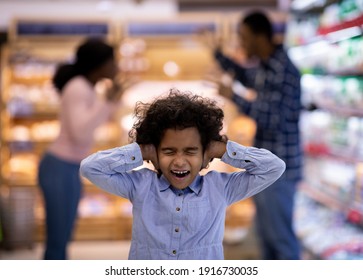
x=262, y=169
x=108, y=169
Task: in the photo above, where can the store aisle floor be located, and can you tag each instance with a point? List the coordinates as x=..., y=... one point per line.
x=246, y=249
x=78, y=250
x=118, y=250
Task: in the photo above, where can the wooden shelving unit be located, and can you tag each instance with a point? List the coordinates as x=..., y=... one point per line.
x=28, y=62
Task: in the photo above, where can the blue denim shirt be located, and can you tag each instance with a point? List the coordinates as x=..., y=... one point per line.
x=180, y=224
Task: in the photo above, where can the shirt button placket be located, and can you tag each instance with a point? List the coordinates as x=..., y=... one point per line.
x=177, y=218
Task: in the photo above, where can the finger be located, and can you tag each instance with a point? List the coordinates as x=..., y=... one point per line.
x=224, y=138
x=206, y=161
x=156, y=164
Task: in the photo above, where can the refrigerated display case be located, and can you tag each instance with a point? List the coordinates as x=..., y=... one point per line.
x=327, y=47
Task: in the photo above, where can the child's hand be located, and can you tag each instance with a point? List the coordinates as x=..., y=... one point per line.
x=215, y=149
x=148, y=152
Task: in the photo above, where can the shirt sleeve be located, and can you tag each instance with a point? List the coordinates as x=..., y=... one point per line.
x=110, y=169
x=243, y=105
x=262, y=168
x=278, y=104
x=245, y=75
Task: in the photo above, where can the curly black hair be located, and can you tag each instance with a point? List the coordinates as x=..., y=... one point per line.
x=178, y=110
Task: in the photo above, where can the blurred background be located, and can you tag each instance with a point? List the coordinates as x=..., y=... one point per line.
x=157, y=42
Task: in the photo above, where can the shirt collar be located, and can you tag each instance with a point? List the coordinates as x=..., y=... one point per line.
x=164, y=184
x=195, y=186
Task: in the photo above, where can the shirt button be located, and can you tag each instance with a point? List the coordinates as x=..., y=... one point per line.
x=180, y=194
x=177, y=230
x=177, y=209
x=234, y=153
x=174, y=252
x=132, y=158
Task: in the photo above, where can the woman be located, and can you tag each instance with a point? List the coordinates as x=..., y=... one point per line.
x=81, y=112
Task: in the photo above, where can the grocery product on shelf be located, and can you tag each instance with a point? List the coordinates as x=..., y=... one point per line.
x=325, y=231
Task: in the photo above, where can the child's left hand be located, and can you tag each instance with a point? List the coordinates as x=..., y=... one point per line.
x=215, y=149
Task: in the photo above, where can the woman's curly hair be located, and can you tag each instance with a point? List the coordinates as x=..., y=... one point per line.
x=178, y=110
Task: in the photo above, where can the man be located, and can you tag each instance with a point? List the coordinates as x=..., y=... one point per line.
x=273, y=101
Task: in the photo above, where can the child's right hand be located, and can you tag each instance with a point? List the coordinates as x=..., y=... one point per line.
x=148, y=152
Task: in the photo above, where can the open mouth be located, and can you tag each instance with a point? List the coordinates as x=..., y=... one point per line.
x=180, y=174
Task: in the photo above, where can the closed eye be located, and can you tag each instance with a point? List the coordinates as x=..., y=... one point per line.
x=191, y=151
x=188, y=151
x=168, y=151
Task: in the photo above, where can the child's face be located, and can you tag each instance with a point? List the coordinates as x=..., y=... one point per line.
x=180, y=156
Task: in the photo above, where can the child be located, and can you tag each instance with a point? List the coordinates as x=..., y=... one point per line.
x=177, y=213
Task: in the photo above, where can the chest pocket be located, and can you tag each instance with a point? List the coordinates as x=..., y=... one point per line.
x=199, y=214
